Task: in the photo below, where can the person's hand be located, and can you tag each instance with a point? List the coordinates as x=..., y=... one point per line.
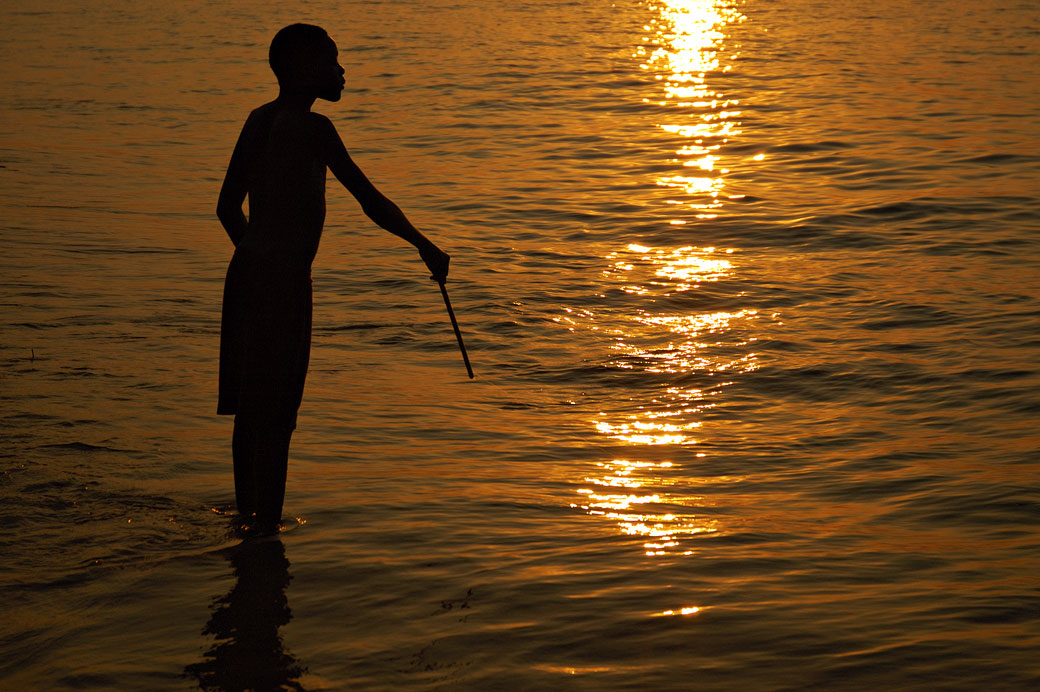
x=436, y=260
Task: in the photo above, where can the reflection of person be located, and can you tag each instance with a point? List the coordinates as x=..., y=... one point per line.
x=279, y=162
x=248, y=653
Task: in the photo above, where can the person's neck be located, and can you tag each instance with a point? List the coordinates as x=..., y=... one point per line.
x=295, y=99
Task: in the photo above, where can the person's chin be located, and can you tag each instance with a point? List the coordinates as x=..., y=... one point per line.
x=333, y=95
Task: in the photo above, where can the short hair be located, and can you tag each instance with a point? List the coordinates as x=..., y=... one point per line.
x=290, y=42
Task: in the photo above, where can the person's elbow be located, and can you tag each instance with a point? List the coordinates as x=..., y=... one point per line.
x=227, y=211
x=379, y=209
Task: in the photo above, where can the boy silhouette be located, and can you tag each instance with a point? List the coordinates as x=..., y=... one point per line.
x=279, y=163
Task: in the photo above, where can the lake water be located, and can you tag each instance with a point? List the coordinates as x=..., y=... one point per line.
x=751, y=289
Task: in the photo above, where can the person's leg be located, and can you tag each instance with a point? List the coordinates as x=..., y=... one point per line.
x=271, y=464
x=243, y=452
x=272, y=388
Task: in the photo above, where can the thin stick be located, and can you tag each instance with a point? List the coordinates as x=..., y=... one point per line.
x=455, y=326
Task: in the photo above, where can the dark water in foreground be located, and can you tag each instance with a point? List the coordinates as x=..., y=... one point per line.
x=752, y=291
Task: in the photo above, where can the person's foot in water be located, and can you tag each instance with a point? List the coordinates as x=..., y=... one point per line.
x=252, y=525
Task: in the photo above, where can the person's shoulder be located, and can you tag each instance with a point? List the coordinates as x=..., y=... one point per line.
x=264, y=111
x=321, y=126
x=320, y=121
x=258, y=115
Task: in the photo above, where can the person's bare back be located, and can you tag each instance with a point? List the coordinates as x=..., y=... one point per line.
x=284, y=171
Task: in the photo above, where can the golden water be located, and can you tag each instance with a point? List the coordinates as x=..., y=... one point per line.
x=751, y=292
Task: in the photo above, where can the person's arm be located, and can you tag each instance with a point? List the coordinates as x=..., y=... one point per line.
x=377, y=206
x=233, y=193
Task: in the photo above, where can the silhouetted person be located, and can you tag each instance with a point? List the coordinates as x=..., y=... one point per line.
x=279, y=163
x=247, y=653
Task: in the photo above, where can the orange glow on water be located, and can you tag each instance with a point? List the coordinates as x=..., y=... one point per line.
x=685, y=267
x=634, y=509
x=637, y=494
x=688, y=37
x=686, y=610
x=845, y=487
x=683, y=48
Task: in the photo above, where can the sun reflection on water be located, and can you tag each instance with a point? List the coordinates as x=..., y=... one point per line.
x=638, y=494
x=687, y=610
x=684, y=47
x=660, y=518
x=681, y=269
x=660, y=342
x=673, y=334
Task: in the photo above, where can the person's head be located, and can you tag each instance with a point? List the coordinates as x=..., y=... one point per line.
x=303, y=56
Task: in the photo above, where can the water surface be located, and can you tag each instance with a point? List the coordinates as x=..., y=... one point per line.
x=752, y=295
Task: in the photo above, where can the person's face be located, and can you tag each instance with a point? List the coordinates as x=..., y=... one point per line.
x=328, y=73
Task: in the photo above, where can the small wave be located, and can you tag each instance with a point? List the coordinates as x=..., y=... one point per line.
x=83, y=447
x=999, y=158
x=803, y=147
